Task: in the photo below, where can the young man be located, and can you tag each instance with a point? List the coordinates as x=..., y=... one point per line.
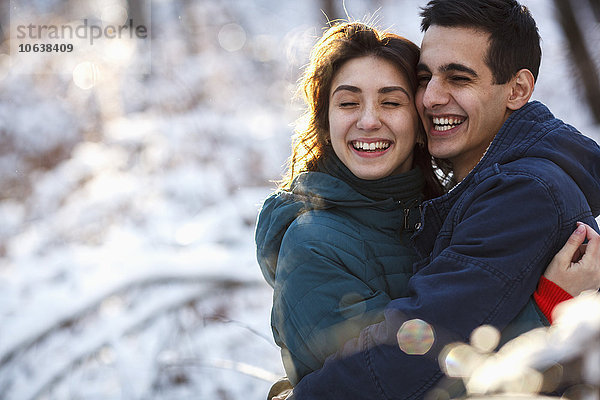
x=524, y=180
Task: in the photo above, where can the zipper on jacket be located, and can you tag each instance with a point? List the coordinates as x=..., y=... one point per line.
x=406, y=209
x=406, y=214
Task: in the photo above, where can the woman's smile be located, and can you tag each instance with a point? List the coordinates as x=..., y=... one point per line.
x=373, y=122
x=378, y=147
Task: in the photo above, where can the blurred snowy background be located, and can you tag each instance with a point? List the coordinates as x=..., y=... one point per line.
x=128, y=200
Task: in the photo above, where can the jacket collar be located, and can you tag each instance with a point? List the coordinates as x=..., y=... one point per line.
x=518, y=131
x=517, y=134
x=532, y=132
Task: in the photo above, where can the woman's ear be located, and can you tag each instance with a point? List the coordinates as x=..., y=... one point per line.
x=522, y=85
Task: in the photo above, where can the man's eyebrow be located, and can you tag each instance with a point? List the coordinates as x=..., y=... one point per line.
x=460, y=68
x=349, y=88
x=449, y=67
x=389, y=89
x=422, y=68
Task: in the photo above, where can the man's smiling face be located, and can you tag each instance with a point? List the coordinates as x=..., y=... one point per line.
x=461, y=106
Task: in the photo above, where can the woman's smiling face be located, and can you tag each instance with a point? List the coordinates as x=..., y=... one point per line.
x=373, y=122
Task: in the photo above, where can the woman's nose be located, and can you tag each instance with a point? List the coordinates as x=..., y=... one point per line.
x=369, y=119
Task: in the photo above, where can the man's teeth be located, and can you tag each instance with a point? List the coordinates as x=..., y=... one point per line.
x=444, y=124
x=373, y=146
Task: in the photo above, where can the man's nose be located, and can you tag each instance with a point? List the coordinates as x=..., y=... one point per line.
x=435, y=94
x=369, y=119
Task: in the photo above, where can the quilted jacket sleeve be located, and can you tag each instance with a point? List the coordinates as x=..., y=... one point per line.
x=508, y=229
x=319, y=301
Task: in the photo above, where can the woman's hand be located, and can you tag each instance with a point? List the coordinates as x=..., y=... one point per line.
x=576, y=267
x=286, y=395
x=281, y=390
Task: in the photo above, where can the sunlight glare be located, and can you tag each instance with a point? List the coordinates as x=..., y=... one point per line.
x=114, y=14
x=119, y=52
x=112, y=306
x=107, y=355
x=189, y=233
x=261, y=125
x=4, y=65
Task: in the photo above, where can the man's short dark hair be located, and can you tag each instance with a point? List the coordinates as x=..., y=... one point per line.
x=514, y=37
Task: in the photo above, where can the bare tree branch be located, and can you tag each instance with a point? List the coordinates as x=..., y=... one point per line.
x=582, y=60
x=28, y=341
x=102, y=338
x=329, y=8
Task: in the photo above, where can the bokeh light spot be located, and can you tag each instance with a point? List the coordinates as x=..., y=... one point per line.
x=232, y=37
x=529, y=382
x=460, y=360
x=485, y=338
x=352, y=305
x=107, y=355
x=114, y=15
x=85, y=75
x=415, y=337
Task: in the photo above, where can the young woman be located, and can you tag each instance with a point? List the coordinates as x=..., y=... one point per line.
x=334, y=240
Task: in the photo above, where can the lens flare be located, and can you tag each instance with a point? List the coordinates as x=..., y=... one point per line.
x=415, y=337
x=459, y=360
x=485, y=338
x=232, y=37
x=85, y=75
x=114, y=14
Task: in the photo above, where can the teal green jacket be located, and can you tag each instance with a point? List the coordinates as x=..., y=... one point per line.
x=482, y=248
x=335, y=259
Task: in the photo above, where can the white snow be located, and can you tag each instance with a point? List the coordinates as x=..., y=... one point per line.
x=127, y=260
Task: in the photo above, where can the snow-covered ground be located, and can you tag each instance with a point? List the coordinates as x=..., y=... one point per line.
x=127, y=209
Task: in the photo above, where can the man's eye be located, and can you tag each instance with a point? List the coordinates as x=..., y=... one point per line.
x=391, y=103
x=459, y=78
x=423, y=80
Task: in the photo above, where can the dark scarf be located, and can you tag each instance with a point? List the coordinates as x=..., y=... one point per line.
x=405, y=188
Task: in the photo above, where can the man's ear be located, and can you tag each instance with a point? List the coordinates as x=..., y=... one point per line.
x=521, y=86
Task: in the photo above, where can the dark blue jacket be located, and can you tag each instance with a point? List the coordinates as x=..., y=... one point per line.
x=483, y=247
x=335, y=259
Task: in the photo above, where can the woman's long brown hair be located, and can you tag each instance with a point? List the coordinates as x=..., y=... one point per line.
x=339, y=44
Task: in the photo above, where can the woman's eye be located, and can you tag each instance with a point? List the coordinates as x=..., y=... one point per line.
x=348, y=104
x=391, y=103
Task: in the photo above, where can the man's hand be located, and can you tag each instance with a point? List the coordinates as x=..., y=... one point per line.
x=576, y=267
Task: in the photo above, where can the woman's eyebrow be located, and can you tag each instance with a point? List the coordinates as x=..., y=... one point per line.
x=389, y=89
x=350, y=88
x=383, y=90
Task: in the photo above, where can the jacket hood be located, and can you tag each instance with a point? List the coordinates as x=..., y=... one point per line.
x=309, y=191
x=532, y=131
